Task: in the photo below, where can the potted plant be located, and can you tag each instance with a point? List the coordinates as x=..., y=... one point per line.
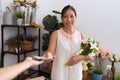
x=27, y=42
x=97, y=73
x=12, y=44
x=100, y=56
x=19, y=15
x=19, y=5
x=51, y=24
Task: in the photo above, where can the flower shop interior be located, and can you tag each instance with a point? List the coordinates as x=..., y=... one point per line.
x=97, y=19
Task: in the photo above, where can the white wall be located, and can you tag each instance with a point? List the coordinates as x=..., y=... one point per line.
x=98, y=19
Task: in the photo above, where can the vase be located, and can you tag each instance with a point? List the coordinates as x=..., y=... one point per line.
x=27, y=15
x=113, y=71
x=33, y=15
x=22, y=9
x=19, y=21
x=97, y=76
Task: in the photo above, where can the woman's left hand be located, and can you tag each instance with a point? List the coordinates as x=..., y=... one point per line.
x=73, y=60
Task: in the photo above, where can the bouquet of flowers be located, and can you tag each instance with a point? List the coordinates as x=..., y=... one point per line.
x=89, y=47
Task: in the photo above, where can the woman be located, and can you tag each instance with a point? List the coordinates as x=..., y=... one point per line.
x=64, y=43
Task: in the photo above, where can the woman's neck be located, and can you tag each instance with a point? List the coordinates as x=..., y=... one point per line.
x=69, y=31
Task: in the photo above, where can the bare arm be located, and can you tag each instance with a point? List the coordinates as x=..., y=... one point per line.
x=10, y=72
x=76, y=58
x=52, y=45
x=83, y=37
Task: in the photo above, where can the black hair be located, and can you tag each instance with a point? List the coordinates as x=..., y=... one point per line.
x=66, y=8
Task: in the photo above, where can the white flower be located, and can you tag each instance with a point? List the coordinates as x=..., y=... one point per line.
x=30, y=1
x=22, y=0
x=93, y=46
x=91, y=55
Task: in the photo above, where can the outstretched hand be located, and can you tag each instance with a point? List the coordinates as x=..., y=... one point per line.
x=49, y=56
x=33, y=62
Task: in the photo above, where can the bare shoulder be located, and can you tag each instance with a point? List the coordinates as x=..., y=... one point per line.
x=83, y=37
x=54, y=35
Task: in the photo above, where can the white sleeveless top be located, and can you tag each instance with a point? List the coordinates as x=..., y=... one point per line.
x=67, y=46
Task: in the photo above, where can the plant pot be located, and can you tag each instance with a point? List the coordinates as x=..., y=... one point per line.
x=27, y=45
x=22, y=8
x=11, y=48
x=27, y=15
x=97, y=76
x=19, y=21
x=85, y=75
x=33, y=15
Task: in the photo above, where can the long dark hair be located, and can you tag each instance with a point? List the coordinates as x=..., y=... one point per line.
x=66, y=8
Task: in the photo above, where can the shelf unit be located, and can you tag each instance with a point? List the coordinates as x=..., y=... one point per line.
x=3, y=51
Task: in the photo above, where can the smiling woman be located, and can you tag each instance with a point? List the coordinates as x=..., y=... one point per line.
x=63, y=44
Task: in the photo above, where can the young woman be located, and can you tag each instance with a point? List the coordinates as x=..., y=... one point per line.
x=64, y=43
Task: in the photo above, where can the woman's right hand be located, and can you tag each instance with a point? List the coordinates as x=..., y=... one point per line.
x=49, y=57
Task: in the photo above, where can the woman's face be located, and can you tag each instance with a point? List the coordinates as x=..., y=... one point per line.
x=69, y=18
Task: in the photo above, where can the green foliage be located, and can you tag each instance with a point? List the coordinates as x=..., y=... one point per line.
x=12, y=42
x=22, y=3
x=56, y=12
x=98, y=65
x=90, y=66
x=51, y=24
x=34, y=4
x=19, y=15
x=97, y=71
x=117, y=76
x=31, y=38
x=46, y=38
